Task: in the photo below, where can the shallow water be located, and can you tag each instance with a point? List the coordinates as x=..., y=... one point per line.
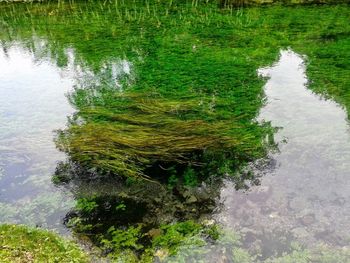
x=305, y=196
x=32, y=106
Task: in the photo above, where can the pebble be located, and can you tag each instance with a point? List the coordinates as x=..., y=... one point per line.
x=191, y=199
x=300, y=232
x=308, y=219
x=261, y=194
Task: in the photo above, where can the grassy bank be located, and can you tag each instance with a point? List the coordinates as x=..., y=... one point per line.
x=23, y=244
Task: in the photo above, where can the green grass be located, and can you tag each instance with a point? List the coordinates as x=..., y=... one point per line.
x=131, y=132
x=22, y=244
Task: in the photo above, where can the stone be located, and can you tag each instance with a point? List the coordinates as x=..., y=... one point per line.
x=299, y=232
x=250, y=237
x=307, y=219
x=261, y=194
x=297, y=204
x=180, y=206
x=157, y=200
x=154, y=232
x=208, y=222
x=265, y=210
x=191, y=199
x=162, y=254
x=273, y=215
x=340, y=201
x=247, y=220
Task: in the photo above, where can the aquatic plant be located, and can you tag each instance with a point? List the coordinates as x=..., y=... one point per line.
x=163, y=242
x=222, y=77
x=123, y=239
x=135, y=131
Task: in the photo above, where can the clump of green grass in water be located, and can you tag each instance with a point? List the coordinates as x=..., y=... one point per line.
x=24, y=244
x=133, y=131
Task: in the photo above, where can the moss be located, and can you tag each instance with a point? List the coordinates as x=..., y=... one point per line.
x=23, y=244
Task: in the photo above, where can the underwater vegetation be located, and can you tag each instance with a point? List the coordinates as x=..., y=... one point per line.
x=178, y=242
x=124, y=134
x=194, y=92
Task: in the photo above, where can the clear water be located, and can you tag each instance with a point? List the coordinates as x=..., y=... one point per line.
x=305, y=195
x=32, y=106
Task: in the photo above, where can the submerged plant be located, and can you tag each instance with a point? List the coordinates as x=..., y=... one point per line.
x=126, y=133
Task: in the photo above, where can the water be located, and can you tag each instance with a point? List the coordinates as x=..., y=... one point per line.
x=305, y=197
x=32, y=106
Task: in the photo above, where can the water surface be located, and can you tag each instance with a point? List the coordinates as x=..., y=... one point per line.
x=32, y=106
x=305, y=196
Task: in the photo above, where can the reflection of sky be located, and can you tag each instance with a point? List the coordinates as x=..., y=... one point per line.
x=308, y=193
x=32, y=101
x=32, y=105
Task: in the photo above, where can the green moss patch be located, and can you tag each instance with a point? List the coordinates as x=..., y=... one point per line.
x=23, y=244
